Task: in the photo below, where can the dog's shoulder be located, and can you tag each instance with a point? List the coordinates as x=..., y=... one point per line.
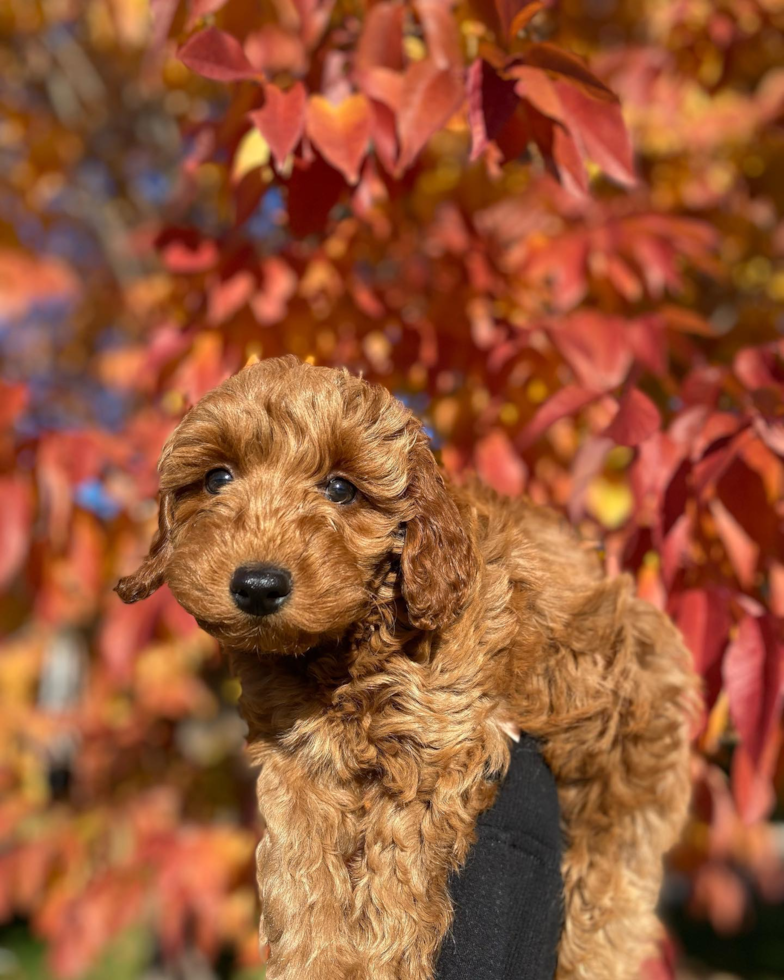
x=532, y=541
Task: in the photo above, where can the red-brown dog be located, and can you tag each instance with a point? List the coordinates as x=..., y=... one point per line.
x=389, y=630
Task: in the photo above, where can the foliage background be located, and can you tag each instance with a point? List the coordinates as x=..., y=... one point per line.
x=444, y=197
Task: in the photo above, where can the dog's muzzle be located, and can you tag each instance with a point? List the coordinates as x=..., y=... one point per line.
x=260, y=590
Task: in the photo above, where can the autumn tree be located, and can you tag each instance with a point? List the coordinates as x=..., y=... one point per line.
x=554, y=230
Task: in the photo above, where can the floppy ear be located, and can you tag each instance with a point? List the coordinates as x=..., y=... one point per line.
x=438, y=561
x=149, y=576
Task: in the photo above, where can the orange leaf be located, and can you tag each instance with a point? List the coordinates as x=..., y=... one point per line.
x=341, y=133
x=430, y=97
x=551, y=58
x=282, y=119
x=515, y=14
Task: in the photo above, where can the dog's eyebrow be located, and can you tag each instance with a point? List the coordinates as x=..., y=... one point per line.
x=191, y=451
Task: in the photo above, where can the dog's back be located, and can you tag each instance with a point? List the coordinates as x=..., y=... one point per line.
x=603, y=679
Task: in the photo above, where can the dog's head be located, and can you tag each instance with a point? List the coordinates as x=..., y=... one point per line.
x=287, y=495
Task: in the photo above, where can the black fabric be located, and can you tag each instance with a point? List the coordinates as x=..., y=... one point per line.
x=509, y=896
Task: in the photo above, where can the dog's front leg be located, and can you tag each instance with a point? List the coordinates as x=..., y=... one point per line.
x=302, y=868
x=402, y=909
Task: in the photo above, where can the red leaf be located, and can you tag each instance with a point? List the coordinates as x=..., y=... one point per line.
x=771, y=431
x=248, y=194
x=658, y=459
x=162, y=15
x=535, y=87
x=752, y=788
x=498, y=463
x=184, y=251
x=759, y=367
x=600, y=131
x=649, y=343
x=270, y=302
x=752, y=673
x=281, y=120
x=13, y=401
x=491, y=101
x=587, y=463
x=561, y=264
x=719, y=893
x=568, y=160
x=125, y=631
x=381, y=41
x=341, y=133
x=429, y=98
x=776, y=572
x=622, y=278
x=637, y=418
x=703, y=616
x=596, y=347
x=383, y=130
x=742, y=551
x=743, y=492
x=204, y=367
x=16, y=517
x=312, y=194
x=383, y=85
x=675, y=547
x=313, y=18
x=217, y=55
x=566, y=401
x=663, y=967
x=227, y=296
x=272, y=50
x=441, y=33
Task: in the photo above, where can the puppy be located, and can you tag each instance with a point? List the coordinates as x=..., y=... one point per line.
x=389, y=631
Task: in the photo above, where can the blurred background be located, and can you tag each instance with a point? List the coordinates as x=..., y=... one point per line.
x=555, y=229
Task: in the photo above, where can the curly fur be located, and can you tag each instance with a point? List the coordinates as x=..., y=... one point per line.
x=425, y=621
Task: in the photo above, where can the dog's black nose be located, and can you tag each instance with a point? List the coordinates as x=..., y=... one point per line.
x=260, y=590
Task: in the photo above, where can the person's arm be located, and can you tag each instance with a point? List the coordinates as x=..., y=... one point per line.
x=509, y=896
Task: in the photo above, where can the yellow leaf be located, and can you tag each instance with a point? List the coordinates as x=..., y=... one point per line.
x=609, y=501
x=252, y=152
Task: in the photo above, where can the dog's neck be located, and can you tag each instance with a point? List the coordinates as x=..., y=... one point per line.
x=319, y=703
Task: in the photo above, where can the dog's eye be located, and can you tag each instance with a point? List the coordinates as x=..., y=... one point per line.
x=216, y=480
x=340, y=491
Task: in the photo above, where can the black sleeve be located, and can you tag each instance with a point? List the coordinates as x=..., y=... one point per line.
x=509, y=896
